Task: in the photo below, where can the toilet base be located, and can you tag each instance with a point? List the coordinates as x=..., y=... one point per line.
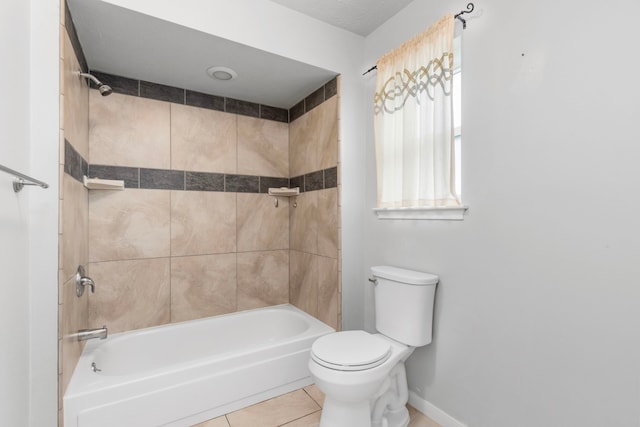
x=337, y=414
x=398, y=418
x=341, y=414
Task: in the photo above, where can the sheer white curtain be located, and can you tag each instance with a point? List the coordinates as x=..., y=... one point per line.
x=414, y=131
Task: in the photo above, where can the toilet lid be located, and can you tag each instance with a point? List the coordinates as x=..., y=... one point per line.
x=350, y=351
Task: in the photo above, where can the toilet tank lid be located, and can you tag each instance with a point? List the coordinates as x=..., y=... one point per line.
x=404, y=276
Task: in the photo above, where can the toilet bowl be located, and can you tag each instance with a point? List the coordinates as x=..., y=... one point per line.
x=363, y=375
x=351, y=384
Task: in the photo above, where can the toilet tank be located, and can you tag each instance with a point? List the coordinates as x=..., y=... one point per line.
x=404, y=304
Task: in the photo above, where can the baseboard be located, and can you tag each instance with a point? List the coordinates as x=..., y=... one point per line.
x=433, y=412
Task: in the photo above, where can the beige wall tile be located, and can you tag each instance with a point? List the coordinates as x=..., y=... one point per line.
x=328, y=222
x=303, y=281
x=76, y=102
x=301, y=152
x=263, y=147
x=129, y=131
x=303, y=220
x=263, y=279
x=61, y=114
x=202, y=222
x=130, y=294
x=324, y=126
x=129, y=224
x=74, y=313
x=202, y=286
x=313, y=143
x=203, y=140
x=328, y=297
x=62, y=13
x=75, y=226
x=274, y=412
x=261, y=225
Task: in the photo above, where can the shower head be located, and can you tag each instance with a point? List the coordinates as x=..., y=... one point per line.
x=102, y=88
x=105, y=90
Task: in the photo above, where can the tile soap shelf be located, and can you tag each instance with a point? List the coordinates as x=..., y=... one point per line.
x=103, y=184
x=284, y=192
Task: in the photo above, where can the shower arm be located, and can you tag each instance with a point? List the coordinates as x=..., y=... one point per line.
x=91, y=77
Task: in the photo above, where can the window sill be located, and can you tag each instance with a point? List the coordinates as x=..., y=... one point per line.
x=448, y=213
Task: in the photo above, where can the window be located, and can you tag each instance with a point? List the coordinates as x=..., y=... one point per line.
x=418, y=127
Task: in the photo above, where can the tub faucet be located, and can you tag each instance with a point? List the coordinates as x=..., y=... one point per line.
x=87, y=334
x=82, y=280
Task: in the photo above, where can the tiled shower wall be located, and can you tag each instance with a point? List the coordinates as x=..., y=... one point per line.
x=314, y=222
x=193, y=237
x=194, y=234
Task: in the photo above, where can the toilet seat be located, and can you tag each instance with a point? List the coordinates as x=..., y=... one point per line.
x=350, y=351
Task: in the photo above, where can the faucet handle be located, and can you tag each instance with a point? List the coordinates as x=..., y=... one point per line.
x=88, y=281
x=82, y=281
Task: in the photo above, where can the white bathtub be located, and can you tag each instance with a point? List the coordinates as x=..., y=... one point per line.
x=185, y=373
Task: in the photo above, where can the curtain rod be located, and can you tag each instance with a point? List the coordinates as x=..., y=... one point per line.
x=20, y=180
x=470, y=7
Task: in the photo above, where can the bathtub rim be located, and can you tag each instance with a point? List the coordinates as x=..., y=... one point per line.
x=94, y=348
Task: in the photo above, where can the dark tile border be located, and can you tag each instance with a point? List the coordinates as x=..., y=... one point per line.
x=297, y=181
x=267, y=182
x=176, y=95
x=162, y=92
x=202, y=100
x=331, y=177
x=126, y=86
x=74, y=164
x=130, y=176
x=243, y=108
x=273, y=113
x=314, y=99
x=296, y=111
x=241, y=184
x=204, y=181
x=168, y=179
x=314, y=181
x=318, y=180
x=162, y=179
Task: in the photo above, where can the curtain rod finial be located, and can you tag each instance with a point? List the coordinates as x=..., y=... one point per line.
x=470, y=8
x=370, y=70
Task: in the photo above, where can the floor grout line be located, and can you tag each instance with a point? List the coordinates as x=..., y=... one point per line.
x=299, y=418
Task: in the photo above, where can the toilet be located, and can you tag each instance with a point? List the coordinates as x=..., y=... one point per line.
x=363, y=375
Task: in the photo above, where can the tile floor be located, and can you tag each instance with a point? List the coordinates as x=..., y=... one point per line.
x=300, y=408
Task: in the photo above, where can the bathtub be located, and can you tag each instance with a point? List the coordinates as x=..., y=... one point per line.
x=185, y=373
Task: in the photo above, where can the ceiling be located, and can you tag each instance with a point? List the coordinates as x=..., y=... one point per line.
x=119, y=41
x=358, y=16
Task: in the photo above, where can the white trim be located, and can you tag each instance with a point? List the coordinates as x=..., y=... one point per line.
x=433, y=412
x=453, y=213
